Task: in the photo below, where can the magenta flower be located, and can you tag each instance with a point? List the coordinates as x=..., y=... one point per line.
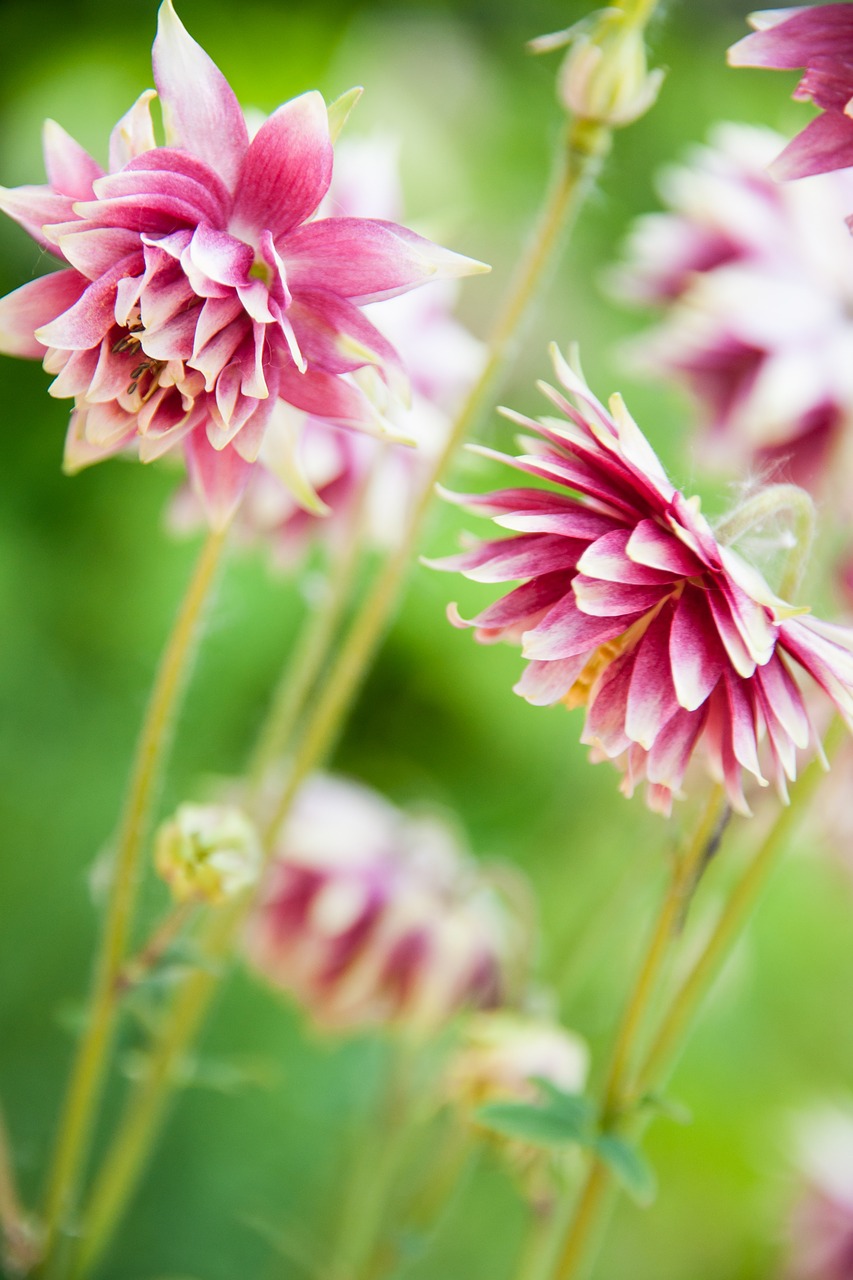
x=755, y=280
x=632, y=608
x=200, y=290
x=821, y=40
x=821, y=1227
x=372, y=917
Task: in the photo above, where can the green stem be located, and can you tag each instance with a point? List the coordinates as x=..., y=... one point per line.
x=89, y=1070
x=579, y=161
x=21, y=1247
x=764, y=505
x=583, y=1226
x=159, y=942
x=678, y=1018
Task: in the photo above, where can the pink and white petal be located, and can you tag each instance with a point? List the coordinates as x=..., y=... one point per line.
x=655, y=547
x=111, y=375
x=506, y=559
x=200, y=109
x=34, y=305
x=825, y=144
x=92, y=250
x=696, y=656
x=544, y=683
x=784, y=697
x=604, y=726
x=189, y=191
x=789, y=38
x=106, y=424
x=614, y=599
x=219, y=256
x=754, y=621
x=219, y=351
x=174, y=340
x=75, y=375
x=92, y=316
x=255, y=362
x=80, y=452
x=522, y=605
x=745, y=722
x=327, y=396
x=70, y=169
x=607, y=558
x=545, y=513
x=335, y=335
x=673, y=747
x=36, y=208
x=286, y=171
x=830, y=664
x=250, y=438
x=651, y=697
x=134, y=132
x=358, y=258
x=214, y=316
x=566, y=631
x=164, y=298
x=219, y=478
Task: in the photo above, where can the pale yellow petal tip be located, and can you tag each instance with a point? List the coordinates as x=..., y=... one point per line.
x=339, y=110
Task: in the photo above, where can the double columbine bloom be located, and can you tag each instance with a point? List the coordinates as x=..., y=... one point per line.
x=820, y=39
x=200, y=292
x=371, y=917
x=632, y=609
x=755, y=282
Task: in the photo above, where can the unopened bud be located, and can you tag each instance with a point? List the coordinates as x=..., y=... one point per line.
x=207, y=853
x=604, y=77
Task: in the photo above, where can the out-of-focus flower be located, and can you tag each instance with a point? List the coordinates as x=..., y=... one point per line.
x=502, y=1057
x=441, y=358
x=632, y=609
x=819, y=38
x=372, y=917
x=820, y=1236
x=757, y=282
x=202, y=293
x=604, y=77
x=207, y=853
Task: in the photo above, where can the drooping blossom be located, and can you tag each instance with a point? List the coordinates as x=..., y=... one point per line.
x=820, y=39
x=755, y=281
x=820, y=1231
x=441, y=358
x=503, y=1057
x=207, y=853
x=632, y=609
x=371, y=917
x=200, y=290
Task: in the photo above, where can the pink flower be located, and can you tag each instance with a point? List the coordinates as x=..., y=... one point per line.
x=200, y=290
x=632, y=609
x=757, y=284
x=821, y=40
x=370, y=917
x=310, y=473
x=821, y=1227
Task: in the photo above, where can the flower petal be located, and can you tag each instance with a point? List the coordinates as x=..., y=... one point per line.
x=200, y=109
x=33, y=305
x=134, y=132
x=70, y=169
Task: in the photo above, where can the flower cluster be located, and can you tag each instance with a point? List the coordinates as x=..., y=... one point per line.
x=756, y=283
x=372, y=917
x=820, y=39
x=441, y=358
x=200, y=292
x=632, y=609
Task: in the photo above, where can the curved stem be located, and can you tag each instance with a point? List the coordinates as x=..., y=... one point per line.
x=579, y=161
x=90, y=1066
x=677, y=1020
x=579, y=1237
x=764, y=505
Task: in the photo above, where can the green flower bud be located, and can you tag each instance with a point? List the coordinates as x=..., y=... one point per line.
x=207, y=853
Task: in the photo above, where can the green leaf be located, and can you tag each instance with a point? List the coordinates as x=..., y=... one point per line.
x=630, y=1167
x=339, y=111
x=560, y=1119
x=671, y=1108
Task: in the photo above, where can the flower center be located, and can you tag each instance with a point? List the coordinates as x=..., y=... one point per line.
x=261, y=270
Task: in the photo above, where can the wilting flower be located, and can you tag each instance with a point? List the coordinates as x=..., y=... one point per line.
x=821, y=1228
x=201, y=292
x=441, y=358
x=632, y=609
x=372, y=917
x=756, y=280
x=821, y=40
x=207, y=853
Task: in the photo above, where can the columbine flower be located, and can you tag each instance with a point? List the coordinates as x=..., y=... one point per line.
x=821, y=1228
x=632, y=609
x=757, y=282
x=201, y=292
x=371, y=917
x=821, y=40
x=207, y=853
x=441, y=358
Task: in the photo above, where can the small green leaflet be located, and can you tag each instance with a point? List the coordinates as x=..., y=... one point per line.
x=629, y=1166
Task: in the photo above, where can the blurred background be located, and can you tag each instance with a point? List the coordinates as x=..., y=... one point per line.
x=89, y=580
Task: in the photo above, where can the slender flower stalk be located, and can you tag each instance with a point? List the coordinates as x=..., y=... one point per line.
x=688, y=867
x=18, y=1238
x=160, y=940
x=88, y=1074
x=581, y=155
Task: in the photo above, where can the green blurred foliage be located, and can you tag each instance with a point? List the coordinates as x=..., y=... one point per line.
x=89, y=580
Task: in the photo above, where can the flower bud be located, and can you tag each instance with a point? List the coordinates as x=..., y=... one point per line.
x=207, y=853
x=604, y=78
x=371, y=917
